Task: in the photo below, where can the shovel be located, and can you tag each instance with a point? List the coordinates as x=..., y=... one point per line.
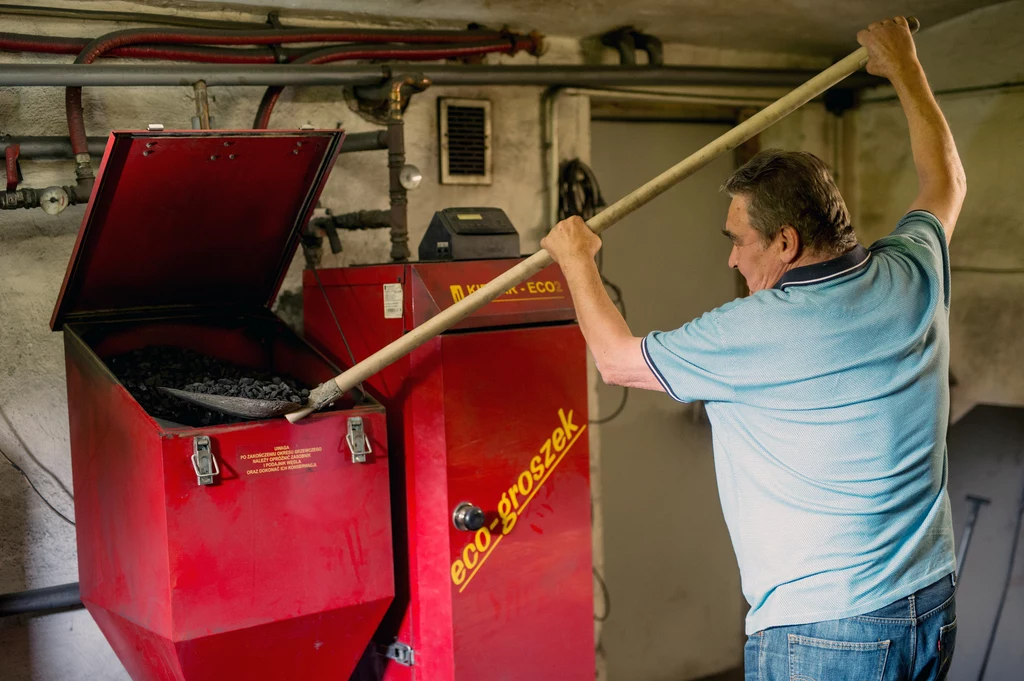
x=242, y=407
x=330, y=391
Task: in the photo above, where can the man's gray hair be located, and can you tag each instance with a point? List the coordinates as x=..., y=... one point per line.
x=794, y=188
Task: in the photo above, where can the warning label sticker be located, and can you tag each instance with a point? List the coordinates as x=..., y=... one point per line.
x=282, y=458
x=392, y=301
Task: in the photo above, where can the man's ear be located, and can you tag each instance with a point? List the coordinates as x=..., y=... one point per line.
x=789, y=240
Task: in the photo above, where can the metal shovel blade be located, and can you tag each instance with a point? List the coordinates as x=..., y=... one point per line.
x=242, y=407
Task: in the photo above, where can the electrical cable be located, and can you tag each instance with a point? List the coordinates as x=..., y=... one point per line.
x=578, y=191
x=1006, y=589
x=35, y=489
x=24, y=446
x=605, y=596
x=580, y=194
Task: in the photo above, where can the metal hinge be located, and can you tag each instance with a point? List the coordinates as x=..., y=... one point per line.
x=357, y=441
x=204, y=463
x=401, y=653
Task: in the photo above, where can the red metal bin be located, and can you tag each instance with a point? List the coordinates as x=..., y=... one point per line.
x=282, y=568
x=493, y=415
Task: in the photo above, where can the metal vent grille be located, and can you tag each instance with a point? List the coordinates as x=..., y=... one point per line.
x=465, y=141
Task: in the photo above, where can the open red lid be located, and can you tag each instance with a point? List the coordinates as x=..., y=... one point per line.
x=195, y=221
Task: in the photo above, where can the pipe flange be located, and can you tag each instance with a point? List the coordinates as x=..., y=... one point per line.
x=388, y=101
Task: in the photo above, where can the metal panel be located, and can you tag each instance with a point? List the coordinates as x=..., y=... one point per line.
x=468, y=414
x=281, y=569
x=544, y=297
x=356, y=295
x=516, y=427
x=193, y=220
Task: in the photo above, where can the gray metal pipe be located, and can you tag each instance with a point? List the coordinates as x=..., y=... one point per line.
x=397, y=194
x=114, y=75
x=599, y=76
x=46, y=148
x=48, y=599
x=124, y=75
x=365, y=141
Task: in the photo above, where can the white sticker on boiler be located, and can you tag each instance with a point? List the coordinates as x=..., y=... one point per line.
x=392, y=301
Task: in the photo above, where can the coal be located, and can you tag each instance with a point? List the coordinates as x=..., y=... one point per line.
x=143, y=371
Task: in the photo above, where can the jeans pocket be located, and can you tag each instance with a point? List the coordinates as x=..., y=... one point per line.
x=815, y=659
x=947, y=643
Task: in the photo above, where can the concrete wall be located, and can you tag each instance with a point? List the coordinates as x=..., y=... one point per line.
x=961, y=57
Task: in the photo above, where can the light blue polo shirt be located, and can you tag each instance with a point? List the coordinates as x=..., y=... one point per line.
x=828, y=397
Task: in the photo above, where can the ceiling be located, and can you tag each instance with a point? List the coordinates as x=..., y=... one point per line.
x=798, y=26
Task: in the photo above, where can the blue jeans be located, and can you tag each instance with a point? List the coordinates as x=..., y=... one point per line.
x=909, y=640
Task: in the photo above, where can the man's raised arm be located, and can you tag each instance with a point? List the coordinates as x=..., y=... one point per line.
x=942, y=184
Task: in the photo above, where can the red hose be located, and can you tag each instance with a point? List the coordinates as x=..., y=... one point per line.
x=76, y=120
x=103, y=44
x=15, y=42
x=349, y=52
x=207, y=55
x=135, y=36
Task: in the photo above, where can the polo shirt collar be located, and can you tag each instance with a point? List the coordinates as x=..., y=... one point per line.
x=848, y=262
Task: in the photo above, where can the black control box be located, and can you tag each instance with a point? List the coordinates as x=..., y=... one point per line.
x=469, y=234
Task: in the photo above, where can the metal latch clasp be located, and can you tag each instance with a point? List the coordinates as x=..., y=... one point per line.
x=203, y=461
x=357, y=441
x=401, y=653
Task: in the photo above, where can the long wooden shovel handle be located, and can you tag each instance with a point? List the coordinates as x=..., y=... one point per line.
x=390, y=353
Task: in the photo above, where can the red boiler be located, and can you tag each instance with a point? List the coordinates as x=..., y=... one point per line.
x=490, y=468
x=258, y=550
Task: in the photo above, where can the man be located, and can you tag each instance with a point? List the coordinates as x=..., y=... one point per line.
x=827, y=391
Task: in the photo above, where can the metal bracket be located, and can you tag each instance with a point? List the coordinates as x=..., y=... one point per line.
x=201, y=121
x=357, y=441
x=385, y=102
x=204, y=463
x=274, y=21
x=627, y=40
x=401, y=653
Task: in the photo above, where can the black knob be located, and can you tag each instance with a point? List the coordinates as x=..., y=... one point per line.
x=467, y=517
